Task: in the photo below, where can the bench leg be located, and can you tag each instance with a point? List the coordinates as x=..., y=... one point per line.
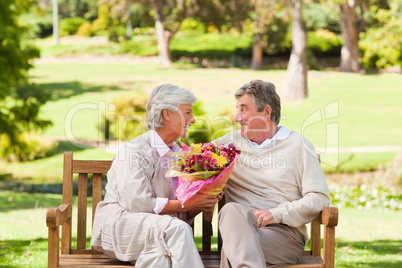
x=53, y=247
x=329, y=247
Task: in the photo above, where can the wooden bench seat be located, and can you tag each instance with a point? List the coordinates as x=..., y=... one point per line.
x=81, y=256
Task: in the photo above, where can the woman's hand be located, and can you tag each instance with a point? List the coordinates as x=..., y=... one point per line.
x=201, y=202
x=264, y=217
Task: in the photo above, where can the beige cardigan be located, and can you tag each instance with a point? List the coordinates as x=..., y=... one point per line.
x=123, y=220
x=287, y=179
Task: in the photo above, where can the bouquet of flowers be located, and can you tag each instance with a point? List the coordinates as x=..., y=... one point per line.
x=202, y=168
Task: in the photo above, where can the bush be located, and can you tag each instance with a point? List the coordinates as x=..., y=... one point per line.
x=323, y=15
x=362, y=197
x=70, y=26
x=127, y=121
x=324, y=42
x=210, y=45
x=381, y=47
x=100, y=25
x=143, y=31
x=41, y=26
x=33, y=147
x=145, y=45
x=85, y=29
x=208, y=129
x=191, y=24
x=121, y=33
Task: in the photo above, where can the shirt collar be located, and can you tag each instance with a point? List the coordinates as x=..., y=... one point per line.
x=282, y=134
x=159, y=145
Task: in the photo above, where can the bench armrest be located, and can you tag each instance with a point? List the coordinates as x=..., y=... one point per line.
x=328, y=217
x=57, y=216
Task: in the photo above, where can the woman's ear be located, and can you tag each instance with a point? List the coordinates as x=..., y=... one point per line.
x=166, y=114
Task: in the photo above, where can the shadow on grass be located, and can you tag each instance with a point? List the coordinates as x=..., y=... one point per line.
x=59, y=91
x=18, y=195
x=8, y=182
x=377, y=253
x=28, y=253
x=10, y=201
x=66, y=146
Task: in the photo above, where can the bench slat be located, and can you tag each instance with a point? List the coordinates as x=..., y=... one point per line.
x=67, y=199
x=96, y=193
x=89, y=260
x=82, y=210
x=91, y=166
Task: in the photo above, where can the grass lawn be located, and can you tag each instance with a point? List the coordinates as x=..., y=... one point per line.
x=364, y=238
x=361, y=108
x=342, y=109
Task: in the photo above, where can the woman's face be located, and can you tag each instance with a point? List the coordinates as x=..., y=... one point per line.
x=182, y=119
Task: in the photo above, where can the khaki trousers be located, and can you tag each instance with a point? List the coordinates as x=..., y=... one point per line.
x=246, y=245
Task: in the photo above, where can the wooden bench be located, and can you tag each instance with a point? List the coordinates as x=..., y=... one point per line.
x=81, y=256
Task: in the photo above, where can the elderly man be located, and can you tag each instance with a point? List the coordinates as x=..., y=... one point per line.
x=275, y=189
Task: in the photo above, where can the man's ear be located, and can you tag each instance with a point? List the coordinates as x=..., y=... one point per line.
x=268, y=111
x=166, y=114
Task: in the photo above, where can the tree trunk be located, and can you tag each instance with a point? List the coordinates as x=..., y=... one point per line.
x=164, y=37
x=295, y=86
x=258, y=48
x=350, y=32
x=256, y=60
x=55, y=23
x=129, y=27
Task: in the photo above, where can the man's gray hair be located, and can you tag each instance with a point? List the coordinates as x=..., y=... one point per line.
x=169, y=97
x=263, y=93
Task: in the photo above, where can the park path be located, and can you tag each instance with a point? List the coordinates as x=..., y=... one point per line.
x=96, y=59
x=113, y=146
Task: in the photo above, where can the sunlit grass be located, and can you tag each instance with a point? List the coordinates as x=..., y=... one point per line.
x=364, y=238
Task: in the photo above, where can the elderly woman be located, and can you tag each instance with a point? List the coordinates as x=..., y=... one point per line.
x=140, y=219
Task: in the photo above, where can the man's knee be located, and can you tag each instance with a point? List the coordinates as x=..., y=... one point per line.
x=228, y=208
x=231, y=210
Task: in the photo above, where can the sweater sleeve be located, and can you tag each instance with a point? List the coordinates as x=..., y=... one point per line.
x=313, y=190
x=134, y=187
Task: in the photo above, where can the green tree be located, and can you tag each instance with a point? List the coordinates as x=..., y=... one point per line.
x=20, y=101
x=382, y=43
x=270, y=27
x=168, y=16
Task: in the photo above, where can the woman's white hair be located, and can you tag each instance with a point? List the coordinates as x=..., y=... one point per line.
x=169, y=97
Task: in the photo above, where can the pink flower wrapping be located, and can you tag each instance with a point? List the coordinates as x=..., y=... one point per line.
x=202, y=168
x=213, y=186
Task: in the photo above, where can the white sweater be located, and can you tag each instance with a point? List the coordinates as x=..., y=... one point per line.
x=287, y=179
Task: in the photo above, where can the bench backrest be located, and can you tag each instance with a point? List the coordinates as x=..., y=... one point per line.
x=86, y=167
x=83, y=168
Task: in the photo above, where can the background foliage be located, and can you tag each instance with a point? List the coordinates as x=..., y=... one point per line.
x=20, y=101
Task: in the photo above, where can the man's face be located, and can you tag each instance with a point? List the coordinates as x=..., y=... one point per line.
x=253, y=124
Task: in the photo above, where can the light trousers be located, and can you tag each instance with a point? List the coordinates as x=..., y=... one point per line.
x=246, y=245
x=179, y=251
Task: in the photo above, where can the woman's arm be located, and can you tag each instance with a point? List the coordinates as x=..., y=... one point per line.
x=196, y=204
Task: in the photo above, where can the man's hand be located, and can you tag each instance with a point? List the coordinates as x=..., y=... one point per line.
x=264, y=217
